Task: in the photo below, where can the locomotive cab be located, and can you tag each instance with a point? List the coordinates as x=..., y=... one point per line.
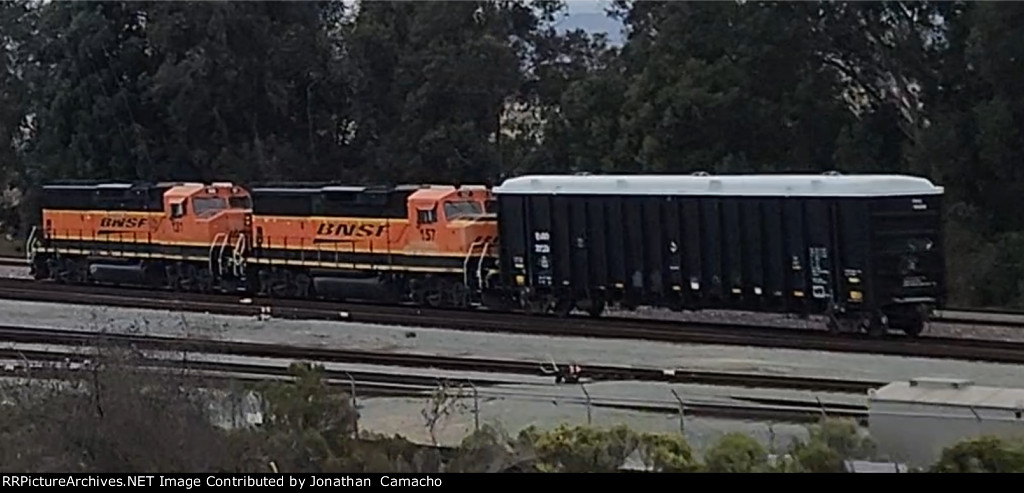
x=453, y=220
x=220, y=211
x=456, y=222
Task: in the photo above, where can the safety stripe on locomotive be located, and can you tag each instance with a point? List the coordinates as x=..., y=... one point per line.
x=123, y=240
x=352, y=260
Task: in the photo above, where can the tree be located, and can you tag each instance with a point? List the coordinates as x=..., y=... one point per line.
x=982, y=454
x=831, y=442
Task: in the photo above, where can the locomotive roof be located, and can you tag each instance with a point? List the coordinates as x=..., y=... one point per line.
x=304, y=189
x=740, y=185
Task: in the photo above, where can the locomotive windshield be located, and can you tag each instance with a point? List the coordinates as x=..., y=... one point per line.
x=205, y=206
x=239, y=202
x=462, y=209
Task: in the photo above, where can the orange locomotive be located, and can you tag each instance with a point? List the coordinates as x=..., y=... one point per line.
x=184, y=236
x=434, y=245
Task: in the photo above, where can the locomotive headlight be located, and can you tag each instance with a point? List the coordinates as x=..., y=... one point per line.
x=856, y=295
x=520, y=280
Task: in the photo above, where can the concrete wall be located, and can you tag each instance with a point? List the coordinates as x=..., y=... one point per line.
x=917, y=433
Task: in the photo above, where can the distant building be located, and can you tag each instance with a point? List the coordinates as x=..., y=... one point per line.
x=913, y=421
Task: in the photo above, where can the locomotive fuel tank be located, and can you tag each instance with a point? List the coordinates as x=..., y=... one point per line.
x=124, y=273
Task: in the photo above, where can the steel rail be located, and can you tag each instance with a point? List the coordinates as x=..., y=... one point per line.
x=595, y=372
x=484, y=321
x=371, y=384
x=985, y=317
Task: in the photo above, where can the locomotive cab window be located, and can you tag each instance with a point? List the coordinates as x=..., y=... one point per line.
x=239, y=202
x=426, y=216
x=177, y=209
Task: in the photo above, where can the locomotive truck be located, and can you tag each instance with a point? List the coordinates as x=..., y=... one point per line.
x=865, y=251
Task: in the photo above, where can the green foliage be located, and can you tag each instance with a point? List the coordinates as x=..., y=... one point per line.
x=736, y=452
x=313, y=422
x=667, y=453
x=109, y=420
x=579, y=448
x=830, y=443
x=983, y=454
x=308, y=403
x=588, y=449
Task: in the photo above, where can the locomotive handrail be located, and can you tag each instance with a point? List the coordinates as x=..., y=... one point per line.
x=480, y=265
x=30, y=246
x=238, y=257
x=213, y=246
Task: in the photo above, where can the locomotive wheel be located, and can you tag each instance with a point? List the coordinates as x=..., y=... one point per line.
x=302, y=286
x=203, y=280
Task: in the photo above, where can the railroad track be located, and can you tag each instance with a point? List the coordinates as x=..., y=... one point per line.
x=483, y=321
x=989, y=317
x=51, y=364
x=32, y=335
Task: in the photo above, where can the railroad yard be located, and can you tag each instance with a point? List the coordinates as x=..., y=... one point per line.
x=727, y=386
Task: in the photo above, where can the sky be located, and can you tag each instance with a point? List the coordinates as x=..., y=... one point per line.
x=589, y=15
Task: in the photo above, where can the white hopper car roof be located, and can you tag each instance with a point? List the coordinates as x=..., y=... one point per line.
x=730, y=185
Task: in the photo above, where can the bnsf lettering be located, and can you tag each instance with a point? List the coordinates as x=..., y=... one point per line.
x=357, y=230
x=122, y=222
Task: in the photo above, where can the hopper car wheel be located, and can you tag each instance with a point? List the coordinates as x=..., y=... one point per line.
x=596, y=308
x=876, y=325
x=563, y=307
x=910, y=321
x=833, y=325
x=914, y=328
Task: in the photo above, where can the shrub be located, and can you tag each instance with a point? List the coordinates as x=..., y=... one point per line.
x=736, y=452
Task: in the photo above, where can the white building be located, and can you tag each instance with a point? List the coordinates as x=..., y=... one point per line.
x=914, y=421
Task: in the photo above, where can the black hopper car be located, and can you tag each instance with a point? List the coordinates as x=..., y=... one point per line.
x=866, y=251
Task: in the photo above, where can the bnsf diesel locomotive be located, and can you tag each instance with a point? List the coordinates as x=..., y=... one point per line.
x=865, y=251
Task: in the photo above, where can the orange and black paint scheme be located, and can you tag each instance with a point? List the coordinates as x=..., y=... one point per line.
x=183, y=236
x=430, y=244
